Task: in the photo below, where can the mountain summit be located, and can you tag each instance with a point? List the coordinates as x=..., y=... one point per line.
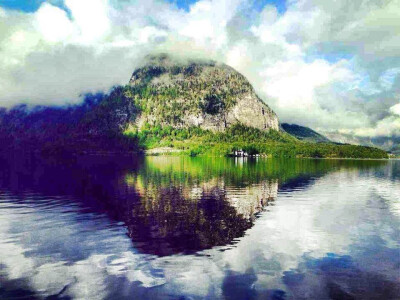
x=198, y=93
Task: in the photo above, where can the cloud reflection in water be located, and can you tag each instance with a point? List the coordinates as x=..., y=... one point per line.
x=115, y=228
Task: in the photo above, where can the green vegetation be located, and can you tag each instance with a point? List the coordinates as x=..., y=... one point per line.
x=164, y=105
x=304, y=133
x=164, y=171
x=165, y=92
x=195, y=141
x=169, y=104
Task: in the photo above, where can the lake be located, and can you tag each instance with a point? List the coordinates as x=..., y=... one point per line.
x=120, y=227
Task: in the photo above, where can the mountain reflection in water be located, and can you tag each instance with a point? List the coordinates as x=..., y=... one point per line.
x=184, y=217
x=222, y=220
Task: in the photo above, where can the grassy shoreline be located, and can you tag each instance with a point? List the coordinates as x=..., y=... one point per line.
x=194, y=142
x=182, y=153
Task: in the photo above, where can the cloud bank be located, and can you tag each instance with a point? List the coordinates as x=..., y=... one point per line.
x=333, y=66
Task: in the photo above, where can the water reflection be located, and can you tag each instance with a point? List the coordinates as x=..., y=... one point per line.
x=187, y=218
x=115, y=227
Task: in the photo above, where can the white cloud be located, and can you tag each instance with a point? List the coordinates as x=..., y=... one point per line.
x=53, y=23
x=389, y=126
x=395, y=109
x=91, y=18
x=388, y=77
x=332, y=66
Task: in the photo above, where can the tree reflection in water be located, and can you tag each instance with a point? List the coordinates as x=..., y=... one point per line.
x=177, y=219
x=169, y=205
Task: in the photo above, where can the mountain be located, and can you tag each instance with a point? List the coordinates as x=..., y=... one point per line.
x=198, y=93
x=190, y=106
x=165, y=91
x=391, y=143
x=304, y=133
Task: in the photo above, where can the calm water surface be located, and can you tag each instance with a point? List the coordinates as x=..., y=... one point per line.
x=112, y=227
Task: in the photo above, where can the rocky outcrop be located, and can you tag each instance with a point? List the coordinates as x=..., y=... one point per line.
x=204, y=94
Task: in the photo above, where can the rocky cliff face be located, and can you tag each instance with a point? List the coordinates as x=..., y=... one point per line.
x=204, y=94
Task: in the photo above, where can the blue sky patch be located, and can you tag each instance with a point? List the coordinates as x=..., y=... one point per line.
x=183, y=4
x=330, y=57
x=279, y=4
x=31, y=5
x=23, y=5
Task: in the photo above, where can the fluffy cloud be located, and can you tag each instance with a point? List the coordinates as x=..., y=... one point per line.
x=332, y=66
x=53, y=23
x=395, y=109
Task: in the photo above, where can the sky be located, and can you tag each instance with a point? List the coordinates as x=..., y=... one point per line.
x=331, y=65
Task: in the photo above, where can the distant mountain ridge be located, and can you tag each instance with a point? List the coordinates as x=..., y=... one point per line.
x=304, y=133
x=391, y=143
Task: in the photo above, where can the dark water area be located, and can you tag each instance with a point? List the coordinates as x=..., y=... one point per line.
x=125, y=227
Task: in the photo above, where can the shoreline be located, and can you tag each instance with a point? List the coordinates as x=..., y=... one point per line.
x=168, y=151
